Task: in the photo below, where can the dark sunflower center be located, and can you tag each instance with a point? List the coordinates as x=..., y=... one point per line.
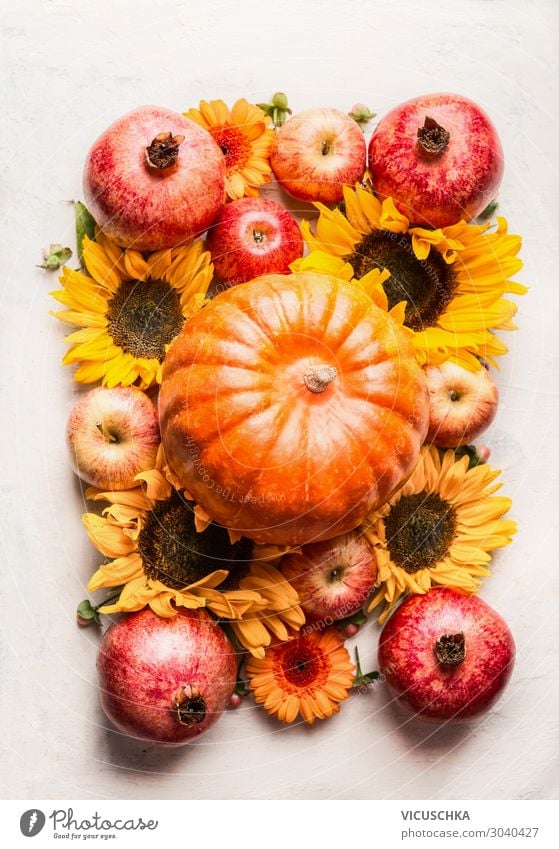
x=175, y=554
x=144, y=316
x=427, y=285
x=419, y=530
x=301, y=664
x=234, y=145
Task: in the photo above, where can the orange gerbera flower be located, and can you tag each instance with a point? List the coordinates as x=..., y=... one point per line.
x=308, y=675
x=245, y=137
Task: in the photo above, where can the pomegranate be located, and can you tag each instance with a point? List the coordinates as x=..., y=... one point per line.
x=439, y=157
x=333, y=578
x=154, y=179
x=166, y=680
x=446, y=654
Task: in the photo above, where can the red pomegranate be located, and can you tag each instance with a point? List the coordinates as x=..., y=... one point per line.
x=446, y=654
x=439, y=157
x=166, y=680
x=154, y=179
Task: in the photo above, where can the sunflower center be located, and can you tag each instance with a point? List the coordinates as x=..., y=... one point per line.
x=419, y=530
x=303, y=664
x=234, y=145
x=427, y=285
x=143, y=317
x=174, y=553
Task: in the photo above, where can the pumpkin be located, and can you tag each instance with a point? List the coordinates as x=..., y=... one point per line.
x=291, y=406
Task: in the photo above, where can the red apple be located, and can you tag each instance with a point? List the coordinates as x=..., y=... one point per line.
x=154, y=179
x=166, y=680
x=446, y=654
x=253, y=236
x=462, y=404
x=332, y=578
x=112, y=435
x=317, y=152
x=439, y=157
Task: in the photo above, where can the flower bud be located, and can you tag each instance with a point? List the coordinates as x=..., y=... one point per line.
x=235, y=701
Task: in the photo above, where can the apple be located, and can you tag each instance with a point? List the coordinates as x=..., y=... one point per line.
x=112, y=435
x=317, y=152
x=253, y=236
x=462, y=404
x=334, y=578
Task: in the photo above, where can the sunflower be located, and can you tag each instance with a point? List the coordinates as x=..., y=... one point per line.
x=277, y=614
x=452, y=280
x=129, y=309
x=245, y=137
x=158, y=557
x=307, y=675
x=438, y=528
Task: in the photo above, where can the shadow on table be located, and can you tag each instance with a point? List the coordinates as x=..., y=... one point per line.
x=422, y=734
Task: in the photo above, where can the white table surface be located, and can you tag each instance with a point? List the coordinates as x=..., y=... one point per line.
x=70, y=69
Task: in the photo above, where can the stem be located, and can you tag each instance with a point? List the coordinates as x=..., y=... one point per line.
x=258, y=236
x=358, y=670
x=432, y=139
x=163, y=152
x=106, y=434
x=450, y=649
x=317, y=378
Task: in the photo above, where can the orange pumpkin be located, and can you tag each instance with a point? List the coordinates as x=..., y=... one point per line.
x=291, y=406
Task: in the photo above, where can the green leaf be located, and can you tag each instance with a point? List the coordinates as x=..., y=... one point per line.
x=86, y=611
x=85, y=226
x=362, y=679
x=489, y=210
x=242, y=688
x=469, y=451
x=55, y=256
x=358, y=618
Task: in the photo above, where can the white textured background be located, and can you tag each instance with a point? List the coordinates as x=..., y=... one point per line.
x=70, y=69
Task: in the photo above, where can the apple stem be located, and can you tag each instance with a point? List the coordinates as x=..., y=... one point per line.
x=110, y=437
x=163, y=152
x=258, y=236
x=317, y=378
x=190, y=705
x=326, y=148
x=432, y=139
x=450, y=649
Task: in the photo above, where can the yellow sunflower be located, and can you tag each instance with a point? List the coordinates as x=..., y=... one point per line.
x=438, y=528
x=308, y=675
x=278, y=614
x=165, y=556
x=245, y=137
x=158, y=555
x=453, y=280
x=129, y=308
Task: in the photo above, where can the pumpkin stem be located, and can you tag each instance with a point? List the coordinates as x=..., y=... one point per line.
x=450, y=649
x=317, y=378
x=163, y=152
x=432, y=138
x=190, y=705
